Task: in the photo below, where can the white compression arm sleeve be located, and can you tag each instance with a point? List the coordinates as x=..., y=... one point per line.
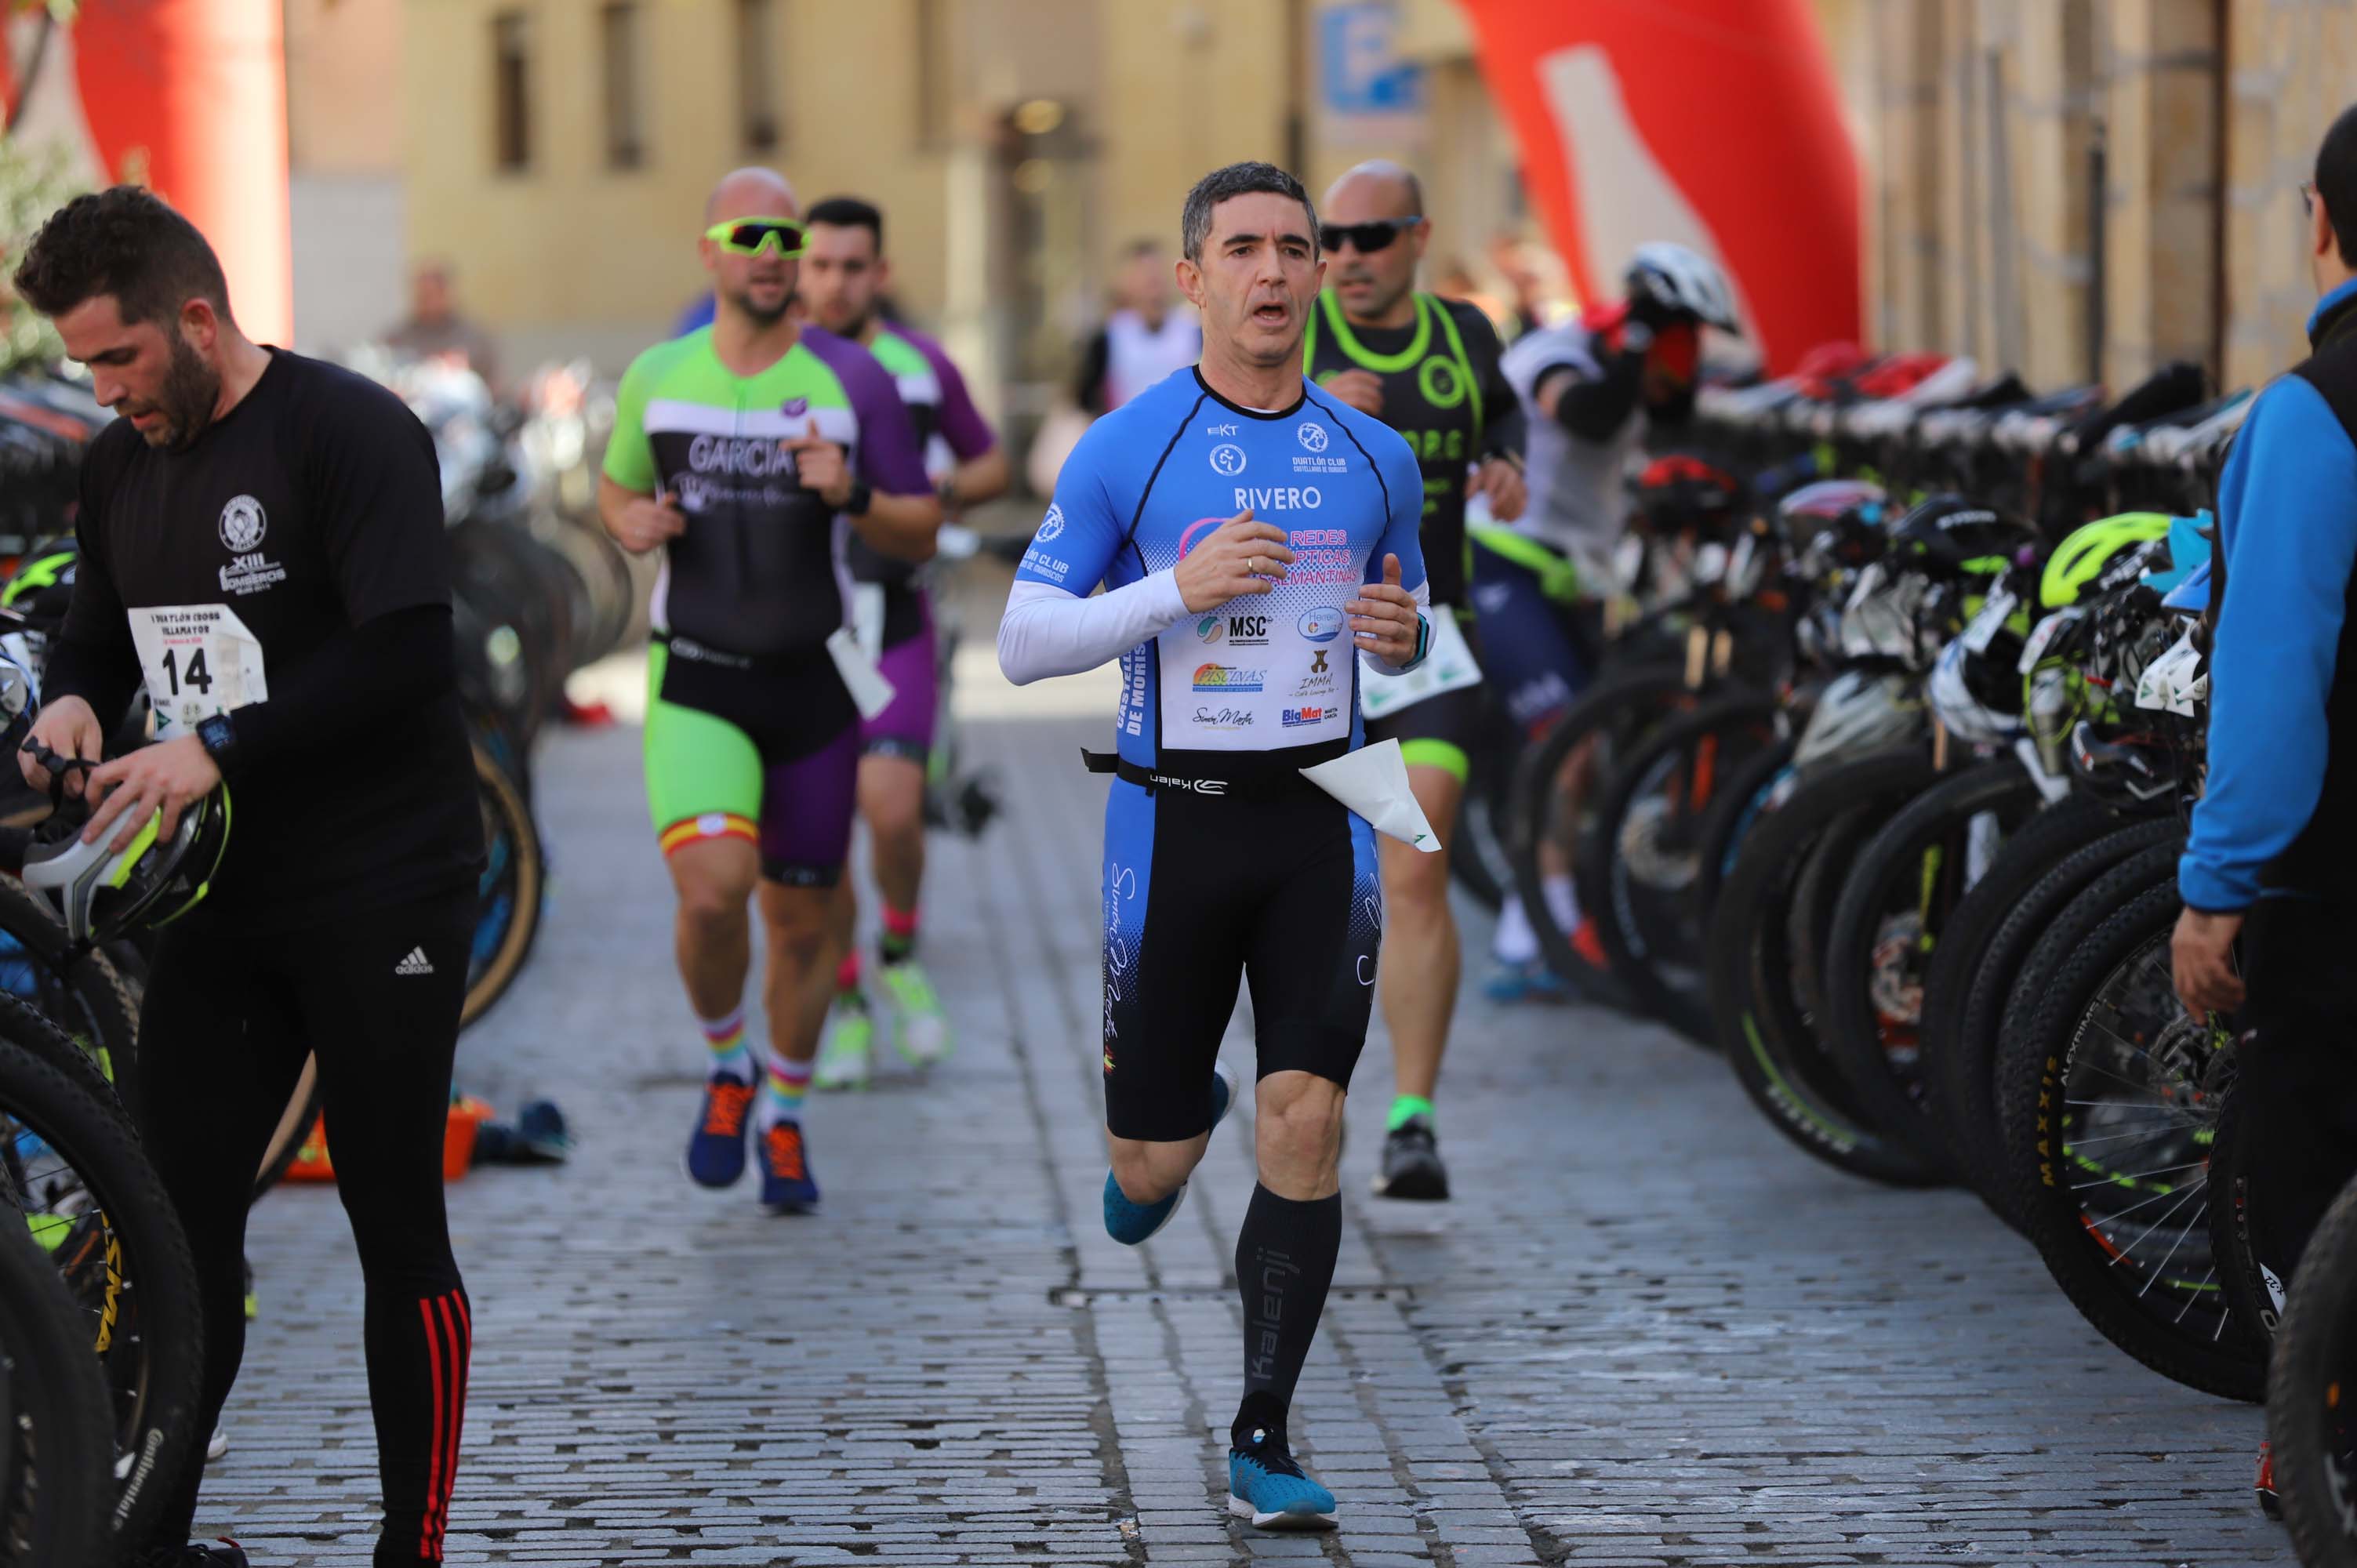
x=1049, y=631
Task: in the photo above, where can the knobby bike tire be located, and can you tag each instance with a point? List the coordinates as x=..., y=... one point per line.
x=1622, y=707
x=1897, y=861
x=1761, y=1024
x=2022, y=862
x=2237, y=1220
x=2310, y=1372
x=123, y=1257
x=2166, y=1309
x=1644, y=930
x=1963, y=1068
x=1742, y=801
x=81, y=993
x=521, y=883
x=2059, y=931
x=57, y=1451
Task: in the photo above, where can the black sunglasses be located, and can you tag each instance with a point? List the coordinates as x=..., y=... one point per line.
x=1368, y=238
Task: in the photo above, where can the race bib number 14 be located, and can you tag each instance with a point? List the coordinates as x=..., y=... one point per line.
x=199, y=660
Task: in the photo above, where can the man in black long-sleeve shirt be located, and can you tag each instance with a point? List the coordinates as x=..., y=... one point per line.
x=260, y=540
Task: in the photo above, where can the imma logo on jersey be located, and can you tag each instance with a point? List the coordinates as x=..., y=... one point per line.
x=1228, y=458
x=1313, y=435
x=1228, y=678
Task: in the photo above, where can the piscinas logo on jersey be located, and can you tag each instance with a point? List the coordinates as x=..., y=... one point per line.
x=1228, y=678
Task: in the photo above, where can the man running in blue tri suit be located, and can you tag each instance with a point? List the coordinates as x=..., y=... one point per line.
x=1240, y=522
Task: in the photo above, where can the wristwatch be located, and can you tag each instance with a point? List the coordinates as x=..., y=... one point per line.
x=219, y=737
x=863, y=496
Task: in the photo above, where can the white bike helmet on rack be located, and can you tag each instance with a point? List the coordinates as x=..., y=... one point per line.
x=1858, y=713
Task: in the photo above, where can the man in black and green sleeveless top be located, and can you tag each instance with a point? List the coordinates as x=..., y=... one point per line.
x=1427, y=368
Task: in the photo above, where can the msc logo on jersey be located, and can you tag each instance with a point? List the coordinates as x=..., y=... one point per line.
x=1241, y=630
x=1228, y=678
x=1052, y=526
x=1210, y=629
x=1228, y=458
x=1313, y=435
x=242, y=524
x=1323, y=624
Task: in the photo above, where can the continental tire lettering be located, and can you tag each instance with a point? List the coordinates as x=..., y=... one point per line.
x=1439, y=381
x=140, y=1473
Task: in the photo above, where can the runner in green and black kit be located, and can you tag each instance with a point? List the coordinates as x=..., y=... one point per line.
x=1427, y=368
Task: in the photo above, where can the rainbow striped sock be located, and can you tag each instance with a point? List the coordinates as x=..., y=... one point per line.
x=727, y=1039
x=782, y=1088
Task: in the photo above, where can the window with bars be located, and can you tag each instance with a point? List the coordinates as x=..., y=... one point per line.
x=759, y=122
x=510, y=91
x=618, y=33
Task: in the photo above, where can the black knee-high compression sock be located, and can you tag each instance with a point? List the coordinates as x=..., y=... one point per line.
x=1285, y=1262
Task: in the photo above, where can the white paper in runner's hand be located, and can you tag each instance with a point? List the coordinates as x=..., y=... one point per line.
x=868, y=688
x=1372, y=781
x=199, y=660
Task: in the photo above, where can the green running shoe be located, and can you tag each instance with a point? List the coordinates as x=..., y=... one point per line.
x=920, y=1029
x=846, y=1057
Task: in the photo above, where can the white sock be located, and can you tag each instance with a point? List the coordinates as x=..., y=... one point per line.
x=1514, y=944
x=1563, y=903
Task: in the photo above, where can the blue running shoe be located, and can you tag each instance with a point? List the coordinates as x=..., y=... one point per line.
x=1267, y=1487
x=1131, y=1223
x=1519, y=983
x=787, y=1186
x=716, y=1154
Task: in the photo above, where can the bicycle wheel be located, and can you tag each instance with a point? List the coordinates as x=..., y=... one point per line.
x=1751, y=791
x=1756, y=1004
x=1636, y=870
x=295, y=1124
x=2309, y=1377
x=2110, y=1102
x=2255, y=1293
x=514, y=884
x=1480, y=860
x=81, y=993
x=1892, y=916
x=1558, y=780
x=97, y=1208
x=1962, y=1082
x=56, y=1450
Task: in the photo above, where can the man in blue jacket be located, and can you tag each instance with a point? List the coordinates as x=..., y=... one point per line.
x=2272, y=856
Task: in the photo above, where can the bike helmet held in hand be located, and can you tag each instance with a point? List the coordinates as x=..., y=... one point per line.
x=100, y=894
x=1683, y=282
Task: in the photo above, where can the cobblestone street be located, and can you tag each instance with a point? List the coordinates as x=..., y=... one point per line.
x=1646, y=1331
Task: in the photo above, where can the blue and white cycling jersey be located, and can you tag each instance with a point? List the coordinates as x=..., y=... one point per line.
x=1157, y=476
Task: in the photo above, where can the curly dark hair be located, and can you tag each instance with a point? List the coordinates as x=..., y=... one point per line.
x=127, y=242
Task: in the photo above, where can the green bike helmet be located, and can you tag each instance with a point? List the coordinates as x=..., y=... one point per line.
x=2082, y=557
x=102, y=895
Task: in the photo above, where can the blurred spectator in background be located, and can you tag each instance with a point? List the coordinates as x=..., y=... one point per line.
x=1535, y=278
x=435, y=330
x=1148, y=335
x=1452, y=279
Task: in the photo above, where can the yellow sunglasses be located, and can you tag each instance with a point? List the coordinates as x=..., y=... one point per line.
x=752, y=236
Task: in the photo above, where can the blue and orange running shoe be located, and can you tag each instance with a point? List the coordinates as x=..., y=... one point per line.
x=716, y=1154
x=1131, y=1223
x=787, y=1184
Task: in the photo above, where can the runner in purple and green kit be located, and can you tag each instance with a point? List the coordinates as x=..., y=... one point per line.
x=843, y=275
x=751, y=453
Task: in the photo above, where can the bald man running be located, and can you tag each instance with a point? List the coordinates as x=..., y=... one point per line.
x=1428, y=367
x=749, y=452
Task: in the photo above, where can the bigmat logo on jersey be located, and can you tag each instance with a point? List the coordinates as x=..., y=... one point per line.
x=1711, y=123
